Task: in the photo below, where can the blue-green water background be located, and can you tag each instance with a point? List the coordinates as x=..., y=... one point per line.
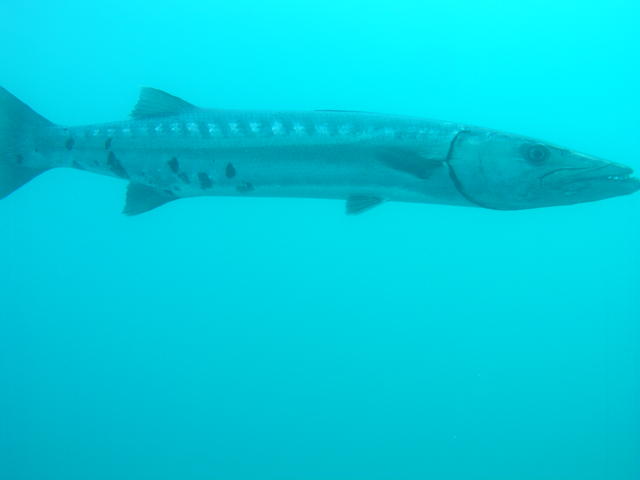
x=226, y=338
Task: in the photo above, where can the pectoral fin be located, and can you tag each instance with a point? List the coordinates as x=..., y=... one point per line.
x=410, y=162
x=142, y=198
x=361, y=203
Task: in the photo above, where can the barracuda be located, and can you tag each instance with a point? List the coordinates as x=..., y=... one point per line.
x=171, y=149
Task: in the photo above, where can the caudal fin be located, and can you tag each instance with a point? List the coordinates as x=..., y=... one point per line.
x=19, y=126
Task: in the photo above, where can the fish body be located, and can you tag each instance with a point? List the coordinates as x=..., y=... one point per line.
x=171, y=149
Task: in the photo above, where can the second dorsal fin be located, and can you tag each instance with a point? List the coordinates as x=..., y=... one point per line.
x=155, y=103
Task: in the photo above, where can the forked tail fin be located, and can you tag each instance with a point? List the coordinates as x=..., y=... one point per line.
x=19, y=127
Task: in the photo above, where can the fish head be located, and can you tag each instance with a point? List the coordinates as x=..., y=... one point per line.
x=511, y=172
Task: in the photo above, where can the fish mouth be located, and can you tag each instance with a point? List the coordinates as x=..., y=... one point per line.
x=610, y=174
x=593, y=182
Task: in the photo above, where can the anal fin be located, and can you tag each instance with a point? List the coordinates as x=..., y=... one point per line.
x=361, y=203
x=142, y=198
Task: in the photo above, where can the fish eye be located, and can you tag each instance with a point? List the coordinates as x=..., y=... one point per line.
x=536, y=154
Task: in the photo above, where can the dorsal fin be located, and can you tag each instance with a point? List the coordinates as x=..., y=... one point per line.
x=155, y=103
x=361, y=203
x=142, y=198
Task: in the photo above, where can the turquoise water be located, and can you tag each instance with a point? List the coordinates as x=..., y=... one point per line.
x=237, y=338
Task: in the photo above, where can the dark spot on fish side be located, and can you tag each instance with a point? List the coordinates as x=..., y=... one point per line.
x=19, y=159
x=174, y=165
x=115, y=166
x=205, y=181
x=244, y=187
x=107, y=143
x=230, y=171
x=184, y=177
x=69, y=143
x=75, y=164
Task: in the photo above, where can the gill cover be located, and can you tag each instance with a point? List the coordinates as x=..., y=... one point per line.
x=496, y=170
